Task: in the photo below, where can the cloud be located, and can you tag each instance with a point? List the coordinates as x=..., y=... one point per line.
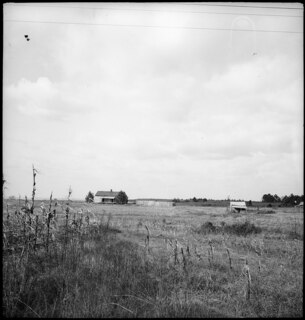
x=53, y=101
x=168, y=111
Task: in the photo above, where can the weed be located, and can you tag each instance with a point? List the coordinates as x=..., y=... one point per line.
x=82, y=267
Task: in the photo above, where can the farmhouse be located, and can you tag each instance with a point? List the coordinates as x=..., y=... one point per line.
x=105, y=196
x=237, y=206
x=155, y=202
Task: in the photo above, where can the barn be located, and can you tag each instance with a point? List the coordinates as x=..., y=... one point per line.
x=237, y=206
x=106, y=197
x=155, y=202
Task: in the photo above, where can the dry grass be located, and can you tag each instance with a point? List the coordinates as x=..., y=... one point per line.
x=132, y=261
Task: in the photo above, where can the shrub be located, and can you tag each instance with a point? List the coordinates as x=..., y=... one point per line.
x=89, y=197
x=208, y=227
x=240, y=229
x=121, y=198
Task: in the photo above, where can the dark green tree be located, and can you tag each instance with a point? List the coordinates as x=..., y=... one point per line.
x=121, y=198
x=291, y=200
x=268, y=198
x=89, y=197
x=277, y=198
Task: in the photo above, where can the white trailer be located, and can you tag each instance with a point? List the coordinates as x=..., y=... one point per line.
x=237, y=206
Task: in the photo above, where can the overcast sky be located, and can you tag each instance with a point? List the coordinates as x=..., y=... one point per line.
x=153, y=99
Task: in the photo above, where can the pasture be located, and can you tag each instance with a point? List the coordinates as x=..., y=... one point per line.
x=134, y=261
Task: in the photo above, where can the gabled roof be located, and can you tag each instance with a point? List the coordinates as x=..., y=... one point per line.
x=106, y=193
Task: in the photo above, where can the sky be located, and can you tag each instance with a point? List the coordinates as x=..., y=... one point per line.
x=160, y=100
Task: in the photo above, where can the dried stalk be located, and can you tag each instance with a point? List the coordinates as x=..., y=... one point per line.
x=246, y=272
x=8, y=214
x=209, y=258
x=184, y=260
x=36, y=232
x=212, y=249
x=49, y=216
x=188, y=250
x=147, y=238
x=67, y=214
x=176, y=252
x=229, y=255
x=34, y=190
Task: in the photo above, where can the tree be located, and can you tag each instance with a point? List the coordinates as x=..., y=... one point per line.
x=121, y=198
x=89, y=197
x=291, y=200
x=268, y=198
x=277, y=198
x=194, y=199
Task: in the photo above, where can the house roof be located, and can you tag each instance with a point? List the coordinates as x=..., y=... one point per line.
x=106, y=193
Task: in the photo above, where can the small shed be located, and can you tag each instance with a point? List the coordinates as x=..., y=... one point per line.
x=106, y=197
x=237, y=206
x=300, y=207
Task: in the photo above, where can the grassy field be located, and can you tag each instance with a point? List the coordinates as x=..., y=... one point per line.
x=130, y=261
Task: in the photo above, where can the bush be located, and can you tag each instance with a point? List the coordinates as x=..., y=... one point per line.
x=89, y=197
x=240, y=229
x=121, y=198
x=208, y=227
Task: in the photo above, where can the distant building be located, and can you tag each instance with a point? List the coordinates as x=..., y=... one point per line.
x=237, y=206
x=105, y=196
x=300, y=207
x=155, y=202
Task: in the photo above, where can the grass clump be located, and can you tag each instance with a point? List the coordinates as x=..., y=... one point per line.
x=239, y=229
x=242, y=229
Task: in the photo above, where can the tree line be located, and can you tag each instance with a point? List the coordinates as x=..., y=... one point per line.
x=291, y=200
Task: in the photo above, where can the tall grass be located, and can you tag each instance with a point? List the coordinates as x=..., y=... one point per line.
x=68, y=263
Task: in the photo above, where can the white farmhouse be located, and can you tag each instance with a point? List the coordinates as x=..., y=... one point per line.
x=105, y=196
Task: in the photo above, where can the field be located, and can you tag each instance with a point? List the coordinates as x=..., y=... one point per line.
x=133, y=261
